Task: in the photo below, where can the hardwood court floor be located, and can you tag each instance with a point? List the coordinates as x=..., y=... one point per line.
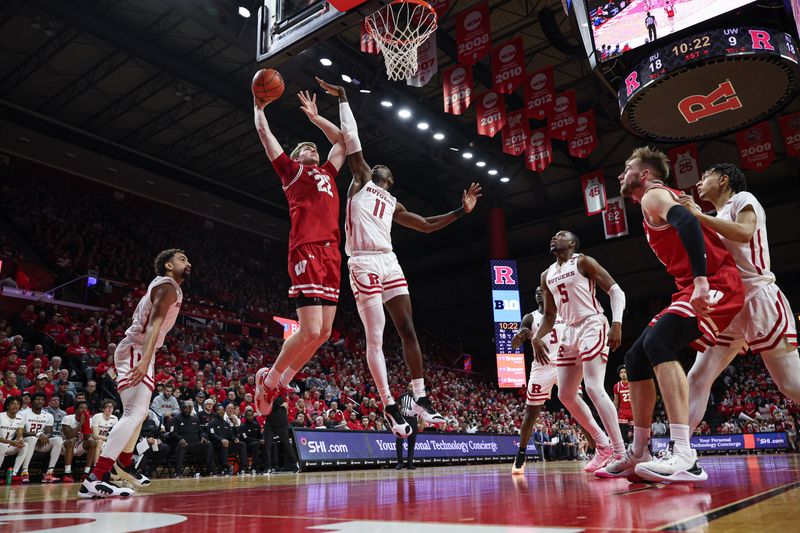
x=743, y=493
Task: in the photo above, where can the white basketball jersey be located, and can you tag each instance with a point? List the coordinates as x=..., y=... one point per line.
x=36, y=423
x=105, y=426
x=141, y=315
x=572, y=291
x=368, y=226
x=9, y=426
x=752, y=258
x=554, y=338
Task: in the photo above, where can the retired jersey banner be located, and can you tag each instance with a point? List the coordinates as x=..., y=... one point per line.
x=473, y=34
x=457, y=87
x=685, y=163
x=539, y=151
x=508, y=66
x=756, y=149
x=516, y=133
x=427, y=63
x=540, y=94
x=563, y=120
x=790, y=129
x=491, y=113
x=593, y=186
x=615, y=223
x=368, y=44
x=584, y=140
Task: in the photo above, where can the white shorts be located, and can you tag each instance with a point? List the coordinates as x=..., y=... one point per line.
x=126, y=355
x=540, y=384
x=50, y=443
x=77, y=450
x=376, y=279
x=584, y=341
x=764, y=321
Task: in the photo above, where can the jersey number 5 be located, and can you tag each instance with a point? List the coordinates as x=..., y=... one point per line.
x=562, y=291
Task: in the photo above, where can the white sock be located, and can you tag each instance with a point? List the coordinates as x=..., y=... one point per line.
x=287, y=376
x=273, y=377
x=641, y=436
x=679, y=434
x=87, y=469
x=419, y=387
x=386, y=395
x=67, y=469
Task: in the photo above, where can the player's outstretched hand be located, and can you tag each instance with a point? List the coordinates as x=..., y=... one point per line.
x=615, y=336
x=688, y=202
x=699, y=301
x=309, y=104
x=540, y=352
x=333, y=90
x=522, y=335
x=470, y=197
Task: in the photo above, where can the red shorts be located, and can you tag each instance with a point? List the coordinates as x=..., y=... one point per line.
x=727, y=296
x=315, y=271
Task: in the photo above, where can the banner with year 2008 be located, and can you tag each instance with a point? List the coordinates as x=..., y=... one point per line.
x=491, y=113
x=457, y=88
x=473, y=34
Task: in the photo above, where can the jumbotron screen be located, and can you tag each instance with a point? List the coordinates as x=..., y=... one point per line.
x=620, y=26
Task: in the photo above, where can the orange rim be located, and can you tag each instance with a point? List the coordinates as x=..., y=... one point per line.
x=374, y=33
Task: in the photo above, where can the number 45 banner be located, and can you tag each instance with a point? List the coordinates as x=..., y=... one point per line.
x=615, y=223
x=593, y=186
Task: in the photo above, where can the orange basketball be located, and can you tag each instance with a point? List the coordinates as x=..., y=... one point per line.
x=267, y=85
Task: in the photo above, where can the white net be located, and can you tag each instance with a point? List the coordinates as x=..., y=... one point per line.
x=399, y=29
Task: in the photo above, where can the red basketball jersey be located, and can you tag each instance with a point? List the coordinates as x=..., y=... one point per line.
x=313, y=200
x=623, y=391
x=668, y=247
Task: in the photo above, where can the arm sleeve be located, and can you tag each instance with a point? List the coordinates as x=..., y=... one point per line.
x=617, y=297
x=349, y=128
x=691, y=235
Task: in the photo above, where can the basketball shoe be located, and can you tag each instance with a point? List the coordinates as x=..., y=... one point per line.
x=102, y=488
x=264, y=395
x=396, y=421
x=602, y=455
x=518, y=469
x=670, y=466
x=623, y=465
x=49, y=477
x=422, y=407
x=130, y=474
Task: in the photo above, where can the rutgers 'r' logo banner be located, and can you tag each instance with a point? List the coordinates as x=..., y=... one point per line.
x=700, y=106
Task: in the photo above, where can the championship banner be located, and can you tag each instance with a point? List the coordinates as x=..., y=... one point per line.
x=756, y=149
x=508, y=65
x=584, y=140
x=790, y=130
x=615, y=223
x=368, y=44
x=491, y=113
x=593, y=186
x=457, y=87
x=539, y=151
x=563, y=120
x=685, y=163
x=515, y=133
x=427, y=63
x=473, y=34
x=540, y=94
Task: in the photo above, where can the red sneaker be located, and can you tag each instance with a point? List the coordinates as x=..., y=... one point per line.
x=50, y=478
x=264, y=396
x=67, y=479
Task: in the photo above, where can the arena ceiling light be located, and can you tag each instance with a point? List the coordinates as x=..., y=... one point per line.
x=404, y=113
x=481, y=163
x=467, y=155
x=504, y=179
x=454, y=149
x=439, y=136
x=365, y=91
x=346, y=78
x=244, y=12
x=493, y=172
x=423, y=126
x=325, y=62
x=386, y=103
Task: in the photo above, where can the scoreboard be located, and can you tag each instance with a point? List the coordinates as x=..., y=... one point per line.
x=507, y=316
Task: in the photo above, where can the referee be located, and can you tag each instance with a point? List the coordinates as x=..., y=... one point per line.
x=405, y=402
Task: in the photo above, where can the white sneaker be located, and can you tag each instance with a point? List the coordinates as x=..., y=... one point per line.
x=623, y=465
x=396, y=421
x=669, y=466
x=102, y=488
x=422, y=407
x=602, y=455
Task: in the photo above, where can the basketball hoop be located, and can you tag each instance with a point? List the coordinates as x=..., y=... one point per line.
x=399, y=29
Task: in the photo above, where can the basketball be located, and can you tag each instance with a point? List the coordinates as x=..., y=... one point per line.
x=267, y=85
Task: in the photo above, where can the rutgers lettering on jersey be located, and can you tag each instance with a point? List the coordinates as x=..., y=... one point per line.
x=313, y=200
x=368, y=226
x=572, y=291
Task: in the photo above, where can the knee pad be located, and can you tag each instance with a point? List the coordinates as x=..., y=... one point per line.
x=637, y=364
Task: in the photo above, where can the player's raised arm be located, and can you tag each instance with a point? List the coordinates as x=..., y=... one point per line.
x=590, y=268
x=355, y=156
x=524, y=332
x=164, y=296
x=540, y=349
x=740, y=230
x=271, y=144
x=332, y=132
x=406, y=218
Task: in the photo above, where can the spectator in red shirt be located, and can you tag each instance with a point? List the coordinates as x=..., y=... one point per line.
x=248, y=402
x=335, y=414
x=42, y=384
x=54, y=329
x=38, y=351
x=353, y=422
x=9, y=387
x=75, y=353
x=11, y=361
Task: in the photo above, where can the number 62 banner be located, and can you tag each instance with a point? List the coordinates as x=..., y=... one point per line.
x=615, y=223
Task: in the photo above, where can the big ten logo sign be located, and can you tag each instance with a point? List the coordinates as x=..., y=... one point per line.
x=506, y=305
x=504, y=275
